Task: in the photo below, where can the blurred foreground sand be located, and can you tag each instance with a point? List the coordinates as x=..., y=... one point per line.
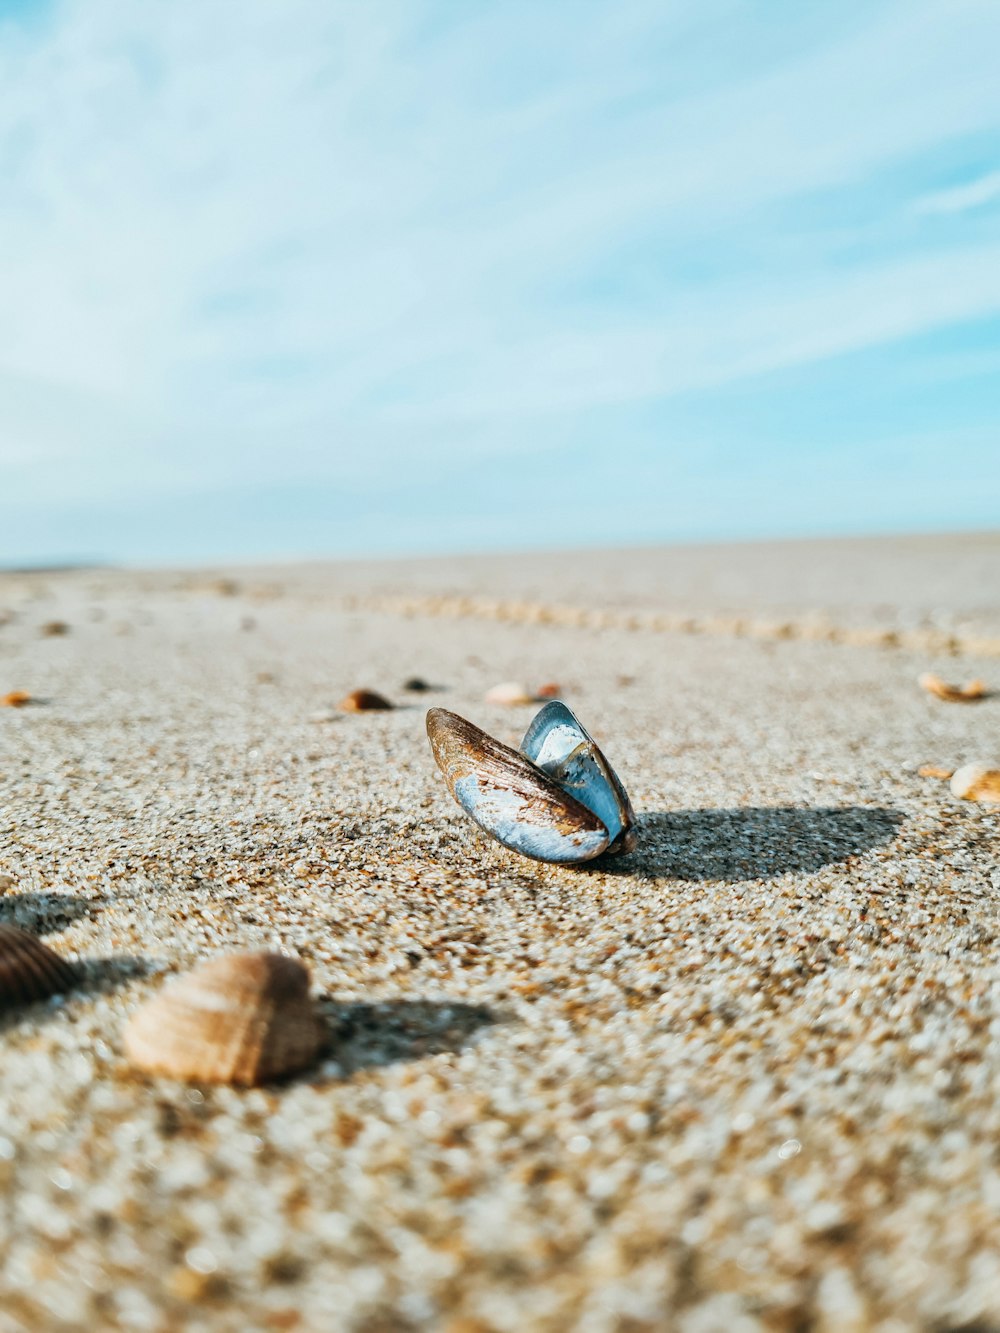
x=746, y=1078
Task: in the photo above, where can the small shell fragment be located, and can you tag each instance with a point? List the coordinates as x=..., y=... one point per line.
x=934, y=771
x=243, y=1018
x=30, y=970
x=960, y=694
x=976, y=782
x=416, y=685
x=509, y=693
x=364, y=701
x=53, y=629
x=15, y=699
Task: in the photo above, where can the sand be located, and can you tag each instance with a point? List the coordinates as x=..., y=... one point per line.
x=745, y=1078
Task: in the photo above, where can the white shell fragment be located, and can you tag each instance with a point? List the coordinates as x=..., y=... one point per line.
x=509, y=693
x=976, y=782
x=556, y=799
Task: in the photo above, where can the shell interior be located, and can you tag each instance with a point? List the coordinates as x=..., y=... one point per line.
x=557, y=743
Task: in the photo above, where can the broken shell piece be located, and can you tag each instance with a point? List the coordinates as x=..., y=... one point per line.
x=243, y=1018
x=364, y=701
x=556, y=799
x=510, y=693
x=53, y=629
x=30, y=970
x=549, y=691
x=976, y=782
x=934, y=771
x=961, y=694
x=417, y=685
x=15, y=699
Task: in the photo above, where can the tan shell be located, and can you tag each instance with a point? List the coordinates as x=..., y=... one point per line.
x=243, y=1018
x=364, y=701
x=976, y=782
x=509, y=693
x=15, y=699
x=30, y=970
x=956, y=694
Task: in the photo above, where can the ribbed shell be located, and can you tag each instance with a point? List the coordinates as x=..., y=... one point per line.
x=30, y=970
x=243, y=1018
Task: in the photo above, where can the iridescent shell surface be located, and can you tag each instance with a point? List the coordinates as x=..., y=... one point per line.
x=556, y=799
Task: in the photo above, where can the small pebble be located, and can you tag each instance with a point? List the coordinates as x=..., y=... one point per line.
x=364, y=701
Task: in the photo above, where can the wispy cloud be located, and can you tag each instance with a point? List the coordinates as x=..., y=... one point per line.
x=339, y=243
x=960, y=198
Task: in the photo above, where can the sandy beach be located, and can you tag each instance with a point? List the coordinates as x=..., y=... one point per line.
x=746, y=1078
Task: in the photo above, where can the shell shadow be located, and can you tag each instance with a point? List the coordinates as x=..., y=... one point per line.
x=43, y=913
x=754, y=842
x=371, y=1035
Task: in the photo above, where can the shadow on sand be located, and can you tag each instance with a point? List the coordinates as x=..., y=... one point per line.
x=365, y=1036
x=756, y=842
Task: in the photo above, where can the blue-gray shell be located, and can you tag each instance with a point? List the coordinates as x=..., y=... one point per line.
x=557, y=799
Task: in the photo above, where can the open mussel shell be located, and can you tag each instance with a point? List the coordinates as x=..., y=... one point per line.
x=556, y=799
x=30, y=970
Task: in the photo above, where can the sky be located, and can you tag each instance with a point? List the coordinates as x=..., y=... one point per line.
x=325, y=278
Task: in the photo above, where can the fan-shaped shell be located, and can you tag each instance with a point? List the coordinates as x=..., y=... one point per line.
x=30, y=970
x=556, y=800
x=243, y=1018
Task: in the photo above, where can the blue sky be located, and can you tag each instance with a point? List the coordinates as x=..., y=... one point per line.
x=319, y=278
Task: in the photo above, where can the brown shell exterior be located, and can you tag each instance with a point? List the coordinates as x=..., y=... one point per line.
x=364, y=701
x=460, y=748
x=30, y=970
x=243, y=1018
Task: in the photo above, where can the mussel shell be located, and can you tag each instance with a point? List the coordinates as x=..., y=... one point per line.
x=510, y=797
x=556, y=743
x=30, y=970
